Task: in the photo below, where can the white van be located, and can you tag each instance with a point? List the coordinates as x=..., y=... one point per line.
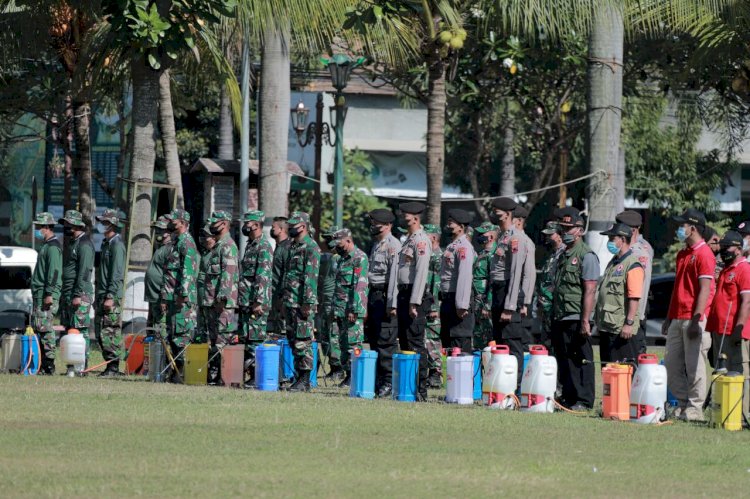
x=16, y=267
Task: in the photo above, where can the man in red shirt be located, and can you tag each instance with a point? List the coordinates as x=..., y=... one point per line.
x=730, y=309
x=687, y=340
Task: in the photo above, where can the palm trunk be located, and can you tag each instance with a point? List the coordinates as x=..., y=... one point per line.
x=144, y=115
x=169, y=139
x=604, y=120
x=66, y=140
x=274, y=122
x=226, y=128
x=82, y=134
x=435, y=138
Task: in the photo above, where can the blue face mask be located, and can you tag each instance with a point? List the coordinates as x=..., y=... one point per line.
x=38, y=234
x=612, y=247
x=681, y=233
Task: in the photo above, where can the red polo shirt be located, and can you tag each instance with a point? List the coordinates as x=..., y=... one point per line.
x=693, y=263
x=734, y=281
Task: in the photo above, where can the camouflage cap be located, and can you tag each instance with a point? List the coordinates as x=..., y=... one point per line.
x=178, y=214
x=220, y=216
x=330, y=231
x=342, y=234
x=431, y=228
x=44, y=218
x=73, y=217
x=253, y=216
x=161, y=223
x=551, y=227
x=486, y=227
x=112, y=216
x=299, y=217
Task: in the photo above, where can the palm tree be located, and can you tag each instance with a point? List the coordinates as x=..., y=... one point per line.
x=604, y=120
x=169, y=138
x=423, y=24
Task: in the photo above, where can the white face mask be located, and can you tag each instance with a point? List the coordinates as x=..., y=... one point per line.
x=745, y=245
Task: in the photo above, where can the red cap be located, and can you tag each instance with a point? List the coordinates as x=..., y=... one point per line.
x=357, y=352
x=537, y=350
x=648, y=358
x=500, y=350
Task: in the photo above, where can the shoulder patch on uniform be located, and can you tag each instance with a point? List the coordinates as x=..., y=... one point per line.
x=514, y=245
x=462, y=253
x=422, y=248
x=574, y=261
x=643, y=260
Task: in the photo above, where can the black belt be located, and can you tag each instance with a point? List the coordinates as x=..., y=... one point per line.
x=377, y=287
x=402, y=287
x=447, y=294
x=499, y=284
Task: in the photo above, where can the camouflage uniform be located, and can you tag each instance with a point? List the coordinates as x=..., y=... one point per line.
x=276, y=322
x=483, y=292
x=432, y=331
x=301, y=290
x=180, y=275
x=109, y=286
x=255, y=286
x=201, y=334
x=154, y=278
x=329, y=341
x=46, y=282
x=78, y=267
x=349, y=297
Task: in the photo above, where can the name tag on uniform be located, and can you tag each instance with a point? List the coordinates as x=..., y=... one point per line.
x=618, y=270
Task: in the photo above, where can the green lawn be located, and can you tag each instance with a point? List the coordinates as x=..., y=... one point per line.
x=127, y=437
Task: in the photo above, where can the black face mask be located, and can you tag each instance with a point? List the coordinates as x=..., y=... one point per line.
x=246, y=231
x=482, y=240
x=215, y=230
x=375, y=229
x=549, y=242
x=294, y=231
x=448, y=230
x=274, y=234
x=68, y=231
x=494, y=218
x=339, y=250
x=727, y=256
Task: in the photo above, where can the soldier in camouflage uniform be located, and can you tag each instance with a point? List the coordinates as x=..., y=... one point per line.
x=432, y=331
x=207, y=244
x=222, y=289
x=109, y=292
x=301, y=297
x=46, y=283
x=329, y=341
x=179, y=295
x=78, y=268
x=279, y=233
x=154, y=278
x=254, y=286
x=349, y=298
x=486, y=237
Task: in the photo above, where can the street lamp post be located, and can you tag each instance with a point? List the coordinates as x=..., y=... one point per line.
x=340, y=67
x=317, y=133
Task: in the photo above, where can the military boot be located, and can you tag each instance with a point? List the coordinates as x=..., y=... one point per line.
x=111, y=370
x=48, y=367
x=302, y=384
x=346, y=383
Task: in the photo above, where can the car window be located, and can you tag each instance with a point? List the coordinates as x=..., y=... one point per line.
x=658, y=303
x=15, y=277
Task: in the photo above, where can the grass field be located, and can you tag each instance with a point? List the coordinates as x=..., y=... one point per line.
x=127, y=437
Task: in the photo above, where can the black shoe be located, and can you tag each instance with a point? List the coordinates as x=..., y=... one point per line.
x=337, y=375
x=301, y=385
x=347, y=382
x=385, y=391
x=422, y=396
x=47, y=368
x=110, y=371
x=579, y=407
